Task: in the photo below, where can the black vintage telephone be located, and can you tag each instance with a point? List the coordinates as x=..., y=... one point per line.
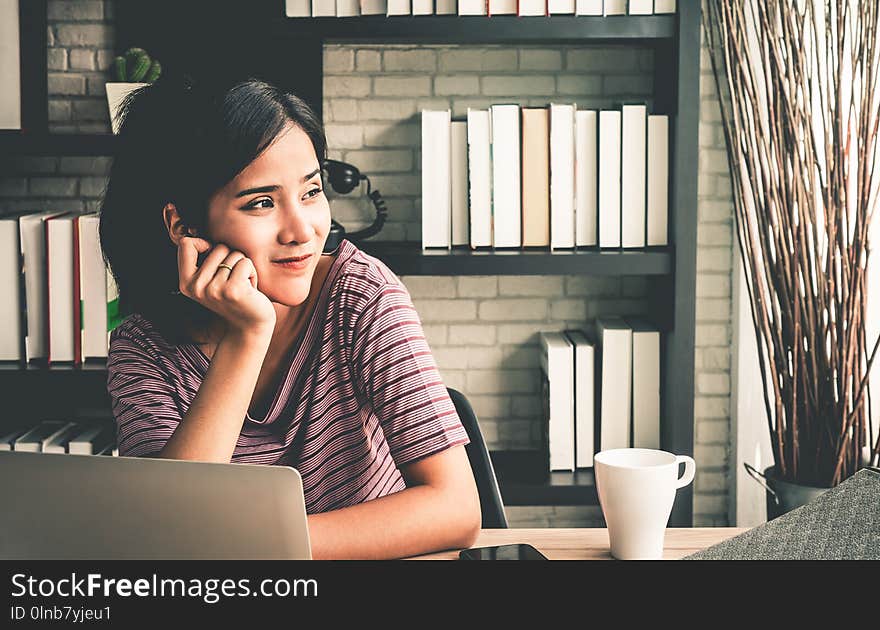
x=344, y=178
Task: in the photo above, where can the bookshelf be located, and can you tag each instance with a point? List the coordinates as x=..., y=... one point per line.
x=222, y=42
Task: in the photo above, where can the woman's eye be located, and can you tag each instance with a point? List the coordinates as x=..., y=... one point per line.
x=314, y=192
x=258, y=203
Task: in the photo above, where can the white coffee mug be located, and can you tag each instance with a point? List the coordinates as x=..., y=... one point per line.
x=636, y=489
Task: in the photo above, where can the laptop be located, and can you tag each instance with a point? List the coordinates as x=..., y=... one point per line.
x=93, y=507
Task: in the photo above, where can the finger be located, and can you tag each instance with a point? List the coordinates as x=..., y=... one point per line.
x=244, y=270
x=208, y=268
x=223, y=273
x=188, y=250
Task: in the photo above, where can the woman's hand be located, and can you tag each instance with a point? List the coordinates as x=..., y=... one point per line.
x=233, y=295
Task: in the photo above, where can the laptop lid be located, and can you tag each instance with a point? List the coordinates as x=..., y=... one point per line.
x=90, y=507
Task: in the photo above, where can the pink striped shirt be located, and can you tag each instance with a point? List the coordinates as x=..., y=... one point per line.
x=362, y=395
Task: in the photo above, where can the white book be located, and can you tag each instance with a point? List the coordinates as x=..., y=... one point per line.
x=472, y=7
x=348, y=8
x=565, y=7
x=57, y=442
x=664, y=6
x=658, y=179
x=436, y=179
x=447, y=7
x=298, y=8
x=562, y=158
x=641, y=7
x=532, y=7
x=459, y=169
x=557, y=368
x=91, y=441
x=480, y=176
x=32, y=440
x=502, y=7
x=7, y=441
x=614, y=346
x=633, y=182
x=59, y=254
x=323, y=8
x=590, y=7
x=645, y=384
x=399, y=7
x=615, y=7
x=584, y=398
x=33, y=251
x=609, y=178
x=506, y=181
x=423, y=7
x=11, y=332
x=10, y=65
x=586, y=189
x=374, y=7
x=93, y=289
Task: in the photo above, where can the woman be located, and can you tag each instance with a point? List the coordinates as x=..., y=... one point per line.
x=246, y=343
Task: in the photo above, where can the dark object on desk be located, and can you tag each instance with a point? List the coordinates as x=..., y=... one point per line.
x=344, y=178
x=842, y=524
x=491, y=505
x=502, y=552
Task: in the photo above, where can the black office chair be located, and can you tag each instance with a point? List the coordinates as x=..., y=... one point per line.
x=491, y=506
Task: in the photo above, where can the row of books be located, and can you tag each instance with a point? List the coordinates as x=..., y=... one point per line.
x=60, y=301
x=600, y=394
x=61, y=436
x=556, y=177
x=352, y=8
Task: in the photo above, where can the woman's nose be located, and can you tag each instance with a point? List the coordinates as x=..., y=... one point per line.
x=295, y=226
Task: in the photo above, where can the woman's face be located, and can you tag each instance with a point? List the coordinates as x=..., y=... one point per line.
x=276, y=209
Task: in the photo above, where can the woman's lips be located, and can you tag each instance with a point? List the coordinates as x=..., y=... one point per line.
x=299, y=263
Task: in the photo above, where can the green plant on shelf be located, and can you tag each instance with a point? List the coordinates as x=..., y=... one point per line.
x=136, y=66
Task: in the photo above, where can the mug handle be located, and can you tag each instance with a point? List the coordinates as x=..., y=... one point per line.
x=690, y=468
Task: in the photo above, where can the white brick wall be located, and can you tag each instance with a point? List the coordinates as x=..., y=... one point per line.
x=483, y=329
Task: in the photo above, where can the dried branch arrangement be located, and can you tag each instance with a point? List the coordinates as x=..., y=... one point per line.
x=798, y=84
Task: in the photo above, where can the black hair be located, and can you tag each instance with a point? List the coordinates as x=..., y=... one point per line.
x=179, y=143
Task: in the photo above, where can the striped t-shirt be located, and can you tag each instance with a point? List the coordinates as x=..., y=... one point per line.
x=362, y=395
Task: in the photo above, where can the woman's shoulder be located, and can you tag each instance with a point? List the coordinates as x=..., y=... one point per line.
x=137, y=329
x=361, y=277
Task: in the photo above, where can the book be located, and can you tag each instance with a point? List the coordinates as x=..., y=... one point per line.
x=614, y=382
x=348, y=8
x=664, y=6
x=645, y=384
x=557, y=370
x=562, y=157
x=502, y=7
x=10, y=65
x=589, y=7
x=446, y=7
x=473, y=7
x=615, y=7
x=32, y=235
x=57, y=442
x=374, y=7
x=633, y=195
x=98, y=294
x=8, y=440
x=323, y=8
x=32, y=441
x=641, y=7
x=658, y=180
x=11, y=308
x=479, y=177
x=61, y=289
x=584, y=398
x=399, y=7
x=564, y=7
x=609, y=178
x=459, y=171
x=91, y=441
x=423, y=7
x=506, y=201
x=436, y=179
x=298, y=8
x=532, y=7
x=586, y=178
x=536, y=176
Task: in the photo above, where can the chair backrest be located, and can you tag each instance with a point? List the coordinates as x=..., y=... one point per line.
x=491, y=505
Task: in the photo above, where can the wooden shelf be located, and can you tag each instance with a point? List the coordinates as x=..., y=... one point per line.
x=523, y=480
x=14, y=143
x=408, y=259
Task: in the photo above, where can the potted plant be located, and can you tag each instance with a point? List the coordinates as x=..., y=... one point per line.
x=798, y=81
x=132, y=70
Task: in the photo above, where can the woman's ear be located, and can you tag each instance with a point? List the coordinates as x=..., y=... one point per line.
x=175, y=225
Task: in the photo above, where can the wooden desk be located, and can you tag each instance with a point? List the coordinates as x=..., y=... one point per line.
x=592, y=543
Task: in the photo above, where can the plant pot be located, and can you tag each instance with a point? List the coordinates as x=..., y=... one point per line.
x=783, y=496
x=116, y=93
